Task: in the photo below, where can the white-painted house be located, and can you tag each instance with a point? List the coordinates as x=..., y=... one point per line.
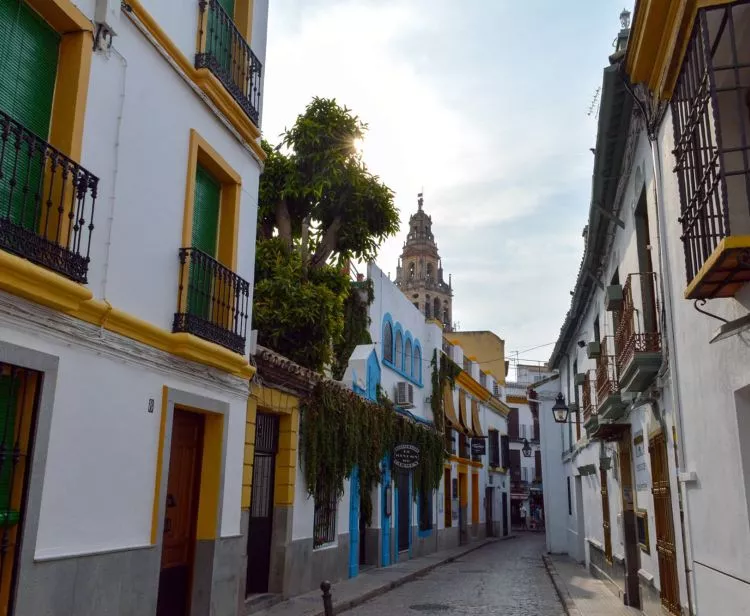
x=130, y=162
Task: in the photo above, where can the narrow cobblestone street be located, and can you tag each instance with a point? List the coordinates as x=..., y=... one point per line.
x=507, y=578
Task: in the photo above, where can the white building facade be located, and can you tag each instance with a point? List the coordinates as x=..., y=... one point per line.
x=128, y=169
x=655, y=443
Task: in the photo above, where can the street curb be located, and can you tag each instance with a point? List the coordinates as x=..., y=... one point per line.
x=560, y=588
x=343, y=606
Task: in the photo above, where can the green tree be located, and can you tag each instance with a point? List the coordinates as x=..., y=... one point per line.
x=318, y=207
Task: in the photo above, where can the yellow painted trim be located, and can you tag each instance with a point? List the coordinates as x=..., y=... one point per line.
x=23, y=278
x=249, y=459
x=659, y=39
x=517, y=399
x=159, y=465
x=464, y=463
x=499, y=406
x=435, y=322
x=471, y=358
x=286, y=459
x=62, y=15
x=732, y=242
x=243, y=18
x=201, y=153
x=204, y=80
x=210, y=486
x=472, y=386
x=44, y=287
x=274, y=400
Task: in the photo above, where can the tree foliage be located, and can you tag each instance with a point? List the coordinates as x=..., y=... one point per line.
x=318, y=207
x=316, y=193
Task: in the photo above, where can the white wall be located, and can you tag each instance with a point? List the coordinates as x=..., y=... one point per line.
x=101, y=458
x=142, y=166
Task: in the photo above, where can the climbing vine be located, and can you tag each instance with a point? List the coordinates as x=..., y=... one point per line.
x=340, y=430
x=356, y=325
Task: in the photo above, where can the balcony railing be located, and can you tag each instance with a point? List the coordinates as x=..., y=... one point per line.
x=712, y=151
x=46, y=202
x=213, y=301
x=228, y=56
x=606, y=371
x=589, y=395
x=637, y=331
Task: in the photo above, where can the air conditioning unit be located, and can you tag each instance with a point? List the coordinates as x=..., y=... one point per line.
x=614, y=299
x=580, y=378
x=594, y=349
x=405, y=395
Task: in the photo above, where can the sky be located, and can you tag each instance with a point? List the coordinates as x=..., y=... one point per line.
x=485, y=105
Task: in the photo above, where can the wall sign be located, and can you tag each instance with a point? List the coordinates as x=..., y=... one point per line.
x=406, y=456
x=478, y=447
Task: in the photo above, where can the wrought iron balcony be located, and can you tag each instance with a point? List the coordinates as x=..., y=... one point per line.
x=46, y=202
x=228, y=56
x=638, y=339
x=590, y=418
x=607, y=383
x=214, y=301
x=712, y=152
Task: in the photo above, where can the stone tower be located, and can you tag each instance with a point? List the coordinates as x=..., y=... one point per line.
x=419, y=274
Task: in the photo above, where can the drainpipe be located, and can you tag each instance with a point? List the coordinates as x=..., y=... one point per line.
x=665, y=283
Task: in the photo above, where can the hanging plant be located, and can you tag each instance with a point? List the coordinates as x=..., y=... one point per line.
x=356, y=325
x=340, y=430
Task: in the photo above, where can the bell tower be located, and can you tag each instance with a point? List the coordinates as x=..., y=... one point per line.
x=419, y=274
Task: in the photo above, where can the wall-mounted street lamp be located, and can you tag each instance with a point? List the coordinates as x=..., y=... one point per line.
x=526, y=449
x=560, y=410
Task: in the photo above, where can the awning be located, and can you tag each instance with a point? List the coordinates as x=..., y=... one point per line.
x=462, y=412
x=475, y=419
x=451, y=421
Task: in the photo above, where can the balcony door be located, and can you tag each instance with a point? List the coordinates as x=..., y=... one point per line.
x=204, y=237
x=28, y=68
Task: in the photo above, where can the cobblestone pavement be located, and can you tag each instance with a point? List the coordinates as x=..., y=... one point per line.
x=507, y=577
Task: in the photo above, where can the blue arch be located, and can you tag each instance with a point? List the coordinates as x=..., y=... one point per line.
x=387, y=320
x=398, y=359
x=417, y=363
x=408, y=363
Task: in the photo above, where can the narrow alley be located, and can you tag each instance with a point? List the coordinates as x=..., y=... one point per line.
x=507, y=577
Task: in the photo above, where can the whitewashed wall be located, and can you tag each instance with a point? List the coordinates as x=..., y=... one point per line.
x=101, y=458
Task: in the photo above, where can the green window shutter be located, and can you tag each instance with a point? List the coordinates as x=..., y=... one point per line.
x=29, y=50
x=220, y=43
x=204, y=237
x=8, y=403
x=206, y=212
x=228, y=6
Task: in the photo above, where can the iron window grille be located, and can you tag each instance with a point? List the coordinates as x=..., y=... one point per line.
x=46, y=202
x=425, y=510
x=505, y=451
x=388, y=342
x=214, y=301
x=494, y=443
x=711, y=121
x=228, y=56
x=324, y=519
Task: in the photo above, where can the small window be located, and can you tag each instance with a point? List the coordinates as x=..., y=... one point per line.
x=324, y=520
x=417, y=371
x=494, y=439
x=399, y=361
x=425, y=511
x=388, y=342
x=408, y=359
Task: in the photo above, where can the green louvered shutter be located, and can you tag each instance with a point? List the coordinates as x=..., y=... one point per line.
x=204, y=238
x=29, y=50
x=8, y=403
x=220, y=36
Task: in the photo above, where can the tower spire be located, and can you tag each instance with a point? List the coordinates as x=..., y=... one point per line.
x=420, y=200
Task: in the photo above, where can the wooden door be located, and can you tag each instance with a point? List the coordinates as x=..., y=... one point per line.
x=489, y=494
x=632, y=551
x=180, y=515
x=505, y=514
x=404, y=510
x=605, y=517
x=666, y=549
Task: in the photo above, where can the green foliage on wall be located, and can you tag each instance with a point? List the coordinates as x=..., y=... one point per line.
x=340, y=430
x=356, y=325
x=444, y=371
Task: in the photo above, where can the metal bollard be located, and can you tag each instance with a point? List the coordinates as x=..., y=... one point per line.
x=327, y=599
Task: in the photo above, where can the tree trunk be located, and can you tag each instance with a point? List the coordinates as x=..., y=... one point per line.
x=284, y=223
x=327, y=244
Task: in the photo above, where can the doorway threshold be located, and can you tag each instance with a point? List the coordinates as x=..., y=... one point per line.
x=258, y=602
